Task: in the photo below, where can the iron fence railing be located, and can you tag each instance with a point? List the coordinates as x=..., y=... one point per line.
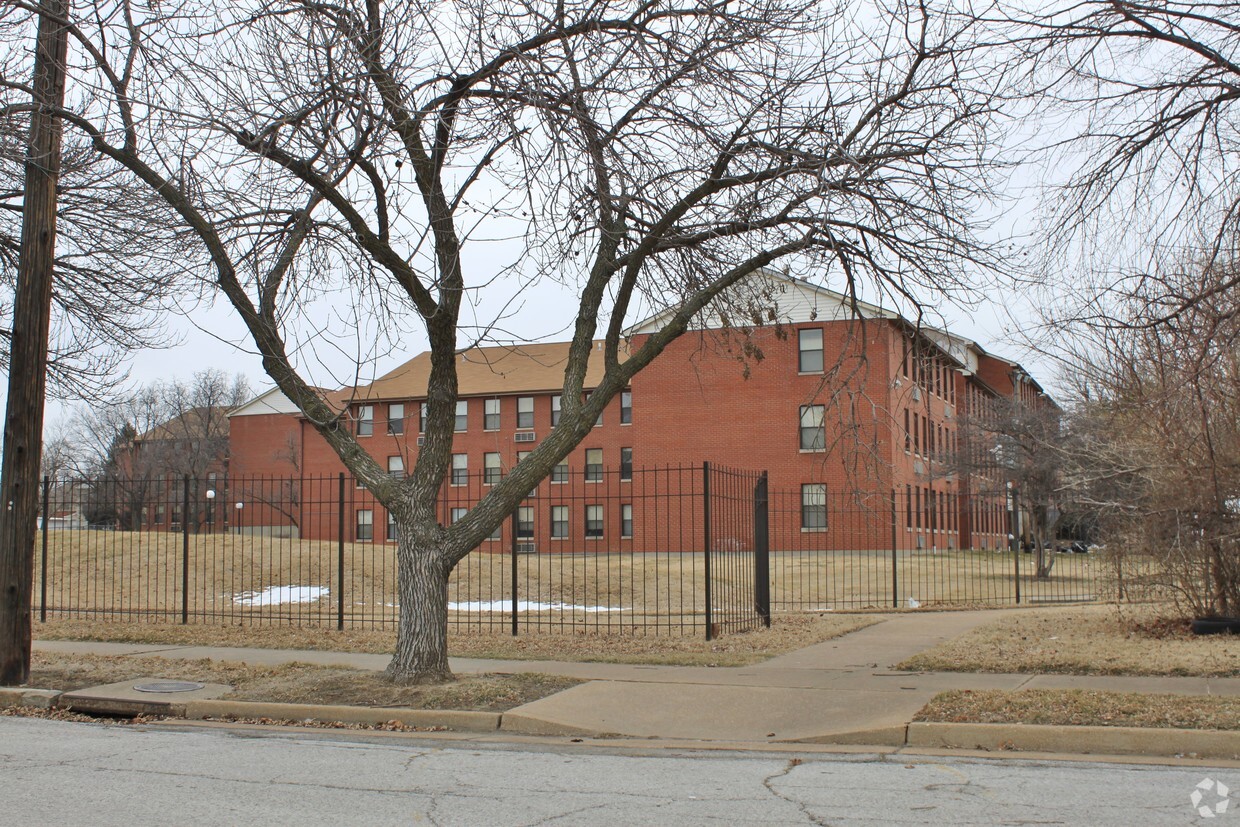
x=677, y=550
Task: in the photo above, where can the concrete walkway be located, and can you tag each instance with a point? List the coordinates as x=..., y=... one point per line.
x=841, y=691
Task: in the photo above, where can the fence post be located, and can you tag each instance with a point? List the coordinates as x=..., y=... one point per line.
x=515, y=523
x=1013, y=540
x=185, y=551
x=47, y=487
x=762, y=550
x=895, y=535
x=706, y=542
x=340, y=556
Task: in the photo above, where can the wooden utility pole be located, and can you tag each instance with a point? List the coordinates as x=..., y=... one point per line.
x=23, y=417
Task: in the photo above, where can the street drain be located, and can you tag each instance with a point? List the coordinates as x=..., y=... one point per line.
x=168, y=686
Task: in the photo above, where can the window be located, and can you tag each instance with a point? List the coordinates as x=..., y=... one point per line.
x=626, y=464
x=525, y=522
x=391, y=527
x=813, y=427
x=908, y=507
x=525, y=412
x=462, y=415
x=813, y=507
x=908, y=437
x=555, y=411
x=560, y=473
x=365, y=420
x=491, y=471
x=396, y=419
x=396, y=466
x=490, y=415
x=594, y=464
x=809, y=345
x=594, y=521
x=422, y=418
x=456, y=514
x=916, y=435
x=460, y=469
x=626, y=408
x=365, y=524
x=559, y=521
x=626, y=520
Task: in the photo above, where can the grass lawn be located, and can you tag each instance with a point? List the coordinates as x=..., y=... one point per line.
x=300, y=683
x=1096, y=640
x=788, y=633
x=1081, y=707
x=244, y=579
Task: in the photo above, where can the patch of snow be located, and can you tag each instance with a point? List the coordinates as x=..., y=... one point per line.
x=279, y=595
x=527, y=606
x=913, y=603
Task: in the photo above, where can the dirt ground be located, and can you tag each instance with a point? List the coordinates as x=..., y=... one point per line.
x=300, y=683
x=1096, y=640
x=1078, y=707
x=788, y=633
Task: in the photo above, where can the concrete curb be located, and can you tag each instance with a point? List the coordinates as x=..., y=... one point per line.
x=1195, y=743
x=20, y=696
x=890, y=736
x=521, y=724
x=426, y=718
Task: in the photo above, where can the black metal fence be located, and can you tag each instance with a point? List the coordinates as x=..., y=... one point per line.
x=700, y=550
x=625, y=550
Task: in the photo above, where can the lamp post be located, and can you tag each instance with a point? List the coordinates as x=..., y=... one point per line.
x=210, y=511
x=240, y=505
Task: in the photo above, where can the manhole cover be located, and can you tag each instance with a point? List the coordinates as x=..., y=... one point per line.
x=168, y=686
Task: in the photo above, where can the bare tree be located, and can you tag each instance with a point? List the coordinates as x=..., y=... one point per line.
x=433, y=163
x=1018, y=443
x=1141, y=98
x=110, y=278
x=1157, y=457
x=142, y=442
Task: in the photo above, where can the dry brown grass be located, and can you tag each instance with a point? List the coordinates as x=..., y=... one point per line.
x=300, y=683
x=1098, y=640
x=139, y=575
x=1082, y=707
x=787, y=634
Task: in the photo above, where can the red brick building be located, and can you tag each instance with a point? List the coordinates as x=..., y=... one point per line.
x=842, y=412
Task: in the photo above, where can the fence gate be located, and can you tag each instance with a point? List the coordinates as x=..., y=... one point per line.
x=737, y=547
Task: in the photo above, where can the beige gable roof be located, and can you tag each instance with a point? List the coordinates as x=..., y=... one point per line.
x=484, y=371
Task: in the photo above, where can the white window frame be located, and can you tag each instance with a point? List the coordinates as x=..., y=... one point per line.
x=365, y=420
x=460, y=470
x=807, y=413
x=803, y=352
x=491, y=408
x=525, y=416
x=396, y=416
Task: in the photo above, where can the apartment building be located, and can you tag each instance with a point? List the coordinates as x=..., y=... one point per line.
x=837, y=403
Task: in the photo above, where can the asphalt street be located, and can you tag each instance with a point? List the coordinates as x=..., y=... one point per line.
x=56, y=773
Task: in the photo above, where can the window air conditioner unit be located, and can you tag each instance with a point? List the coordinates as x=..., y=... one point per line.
x=421, y=441
x=527, y=548
x=916, y=394
x=527, y=436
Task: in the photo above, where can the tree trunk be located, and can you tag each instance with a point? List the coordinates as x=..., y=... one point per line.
x=422, y=634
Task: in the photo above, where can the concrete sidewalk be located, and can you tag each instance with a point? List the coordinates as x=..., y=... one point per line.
x=841, y=691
